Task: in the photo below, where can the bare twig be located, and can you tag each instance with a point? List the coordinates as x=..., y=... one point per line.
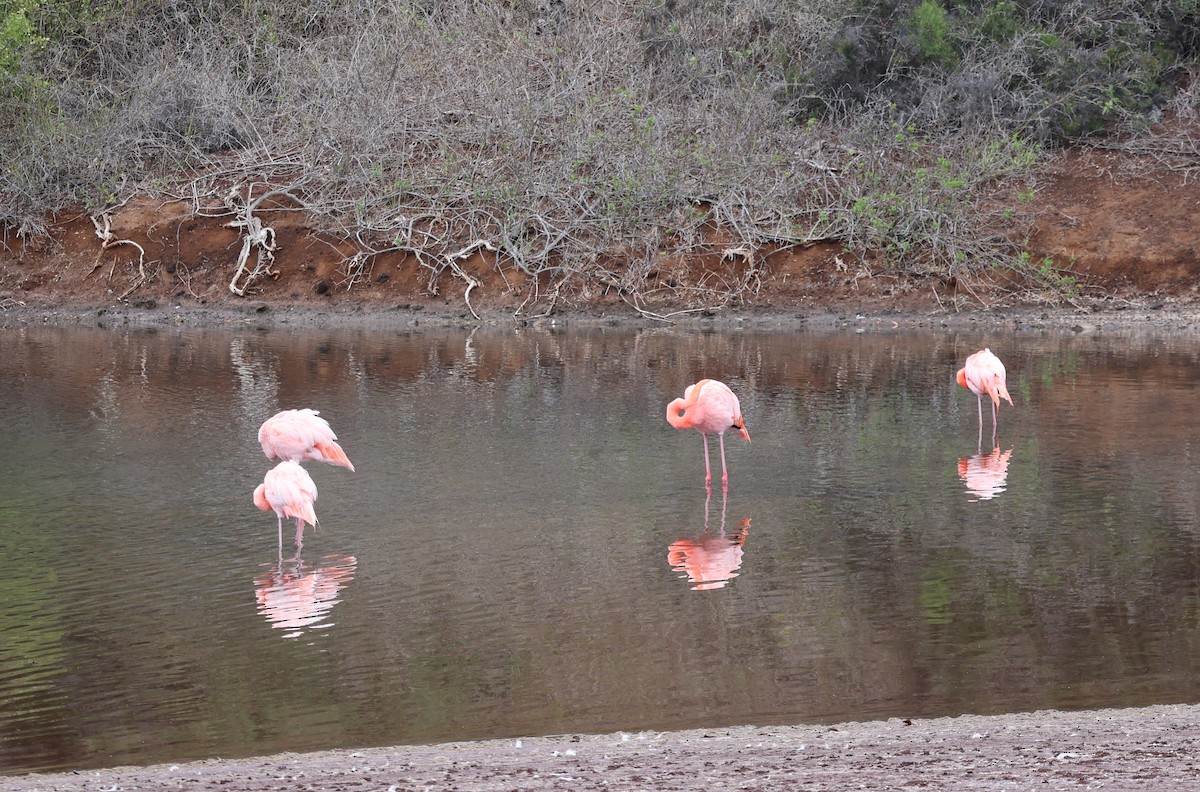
x=108, y=239
x=472, y=282
x=257, y=236
x=356, y=269
x=185, y=278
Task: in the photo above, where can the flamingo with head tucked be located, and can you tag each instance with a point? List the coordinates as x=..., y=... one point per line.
x=709, y=407
x=984, y=374
x=289, y=491
x=298, y=435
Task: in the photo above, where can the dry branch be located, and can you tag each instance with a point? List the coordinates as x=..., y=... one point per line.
x=472, y=282
x=108, y=239
x=257, y=236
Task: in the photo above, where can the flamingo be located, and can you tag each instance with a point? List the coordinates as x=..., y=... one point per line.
x=984, y=374
x=297, y=435
x=289, y=491
x=709, y=406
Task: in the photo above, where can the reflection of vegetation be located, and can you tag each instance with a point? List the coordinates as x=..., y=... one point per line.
x=31, y=624
x=936, y=599
x=450, y=682
x=33, y=659
x=1058, y=369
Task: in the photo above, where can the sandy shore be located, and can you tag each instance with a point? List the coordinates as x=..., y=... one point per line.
x=1151, y=748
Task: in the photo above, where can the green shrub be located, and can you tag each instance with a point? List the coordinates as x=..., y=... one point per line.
x=1058, y=69
x=931, y=27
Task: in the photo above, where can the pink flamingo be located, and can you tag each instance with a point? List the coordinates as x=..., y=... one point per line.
x=984, y=374
x=297, y=435
x=289, y=491
x=709, y=406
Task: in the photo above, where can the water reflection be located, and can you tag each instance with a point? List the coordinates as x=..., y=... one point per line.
x=293, y=597
x=985, y=475
x=711, y=559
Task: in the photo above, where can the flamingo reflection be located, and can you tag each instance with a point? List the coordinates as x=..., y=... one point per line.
x=292, y=597
x=710, y=560
x=985, y=474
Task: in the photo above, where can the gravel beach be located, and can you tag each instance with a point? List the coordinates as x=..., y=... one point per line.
x=1151, y=748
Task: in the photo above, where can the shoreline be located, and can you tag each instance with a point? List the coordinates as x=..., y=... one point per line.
x=1154, y=747
x=1183, y=317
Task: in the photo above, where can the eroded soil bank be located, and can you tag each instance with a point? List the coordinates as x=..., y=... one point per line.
x=1119, y=228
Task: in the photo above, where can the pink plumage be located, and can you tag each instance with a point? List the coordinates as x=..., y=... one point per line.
x=984, y=375
x=298, y=435
x=709, y=407
x=289, y=491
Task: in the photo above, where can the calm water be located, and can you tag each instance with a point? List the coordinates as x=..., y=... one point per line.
x=526, y=547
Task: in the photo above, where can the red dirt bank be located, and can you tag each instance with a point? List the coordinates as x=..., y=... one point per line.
x=1126, y=230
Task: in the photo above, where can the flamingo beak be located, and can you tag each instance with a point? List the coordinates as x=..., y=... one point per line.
x=742, y=431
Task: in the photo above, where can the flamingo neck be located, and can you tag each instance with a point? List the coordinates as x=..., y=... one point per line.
x=260, y=497
x=690, y=397
x=677, y=414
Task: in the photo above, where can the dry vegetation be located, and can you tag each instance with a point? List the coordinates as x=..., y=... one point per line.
x=585, y=146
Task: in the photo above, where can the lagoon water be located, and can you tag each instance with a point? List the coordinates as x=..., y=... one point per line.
x=528, y=548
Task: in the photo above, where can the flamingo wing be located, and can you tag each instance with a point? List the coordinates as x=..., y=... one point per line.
x=302, y=434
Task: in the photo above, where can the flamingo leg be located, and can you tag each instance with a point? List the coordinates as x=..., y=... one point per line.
x=724, y=501
x=724, y=470
x=280, y=519
x=299, y=534
x=979, y=405
x=707, y=467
